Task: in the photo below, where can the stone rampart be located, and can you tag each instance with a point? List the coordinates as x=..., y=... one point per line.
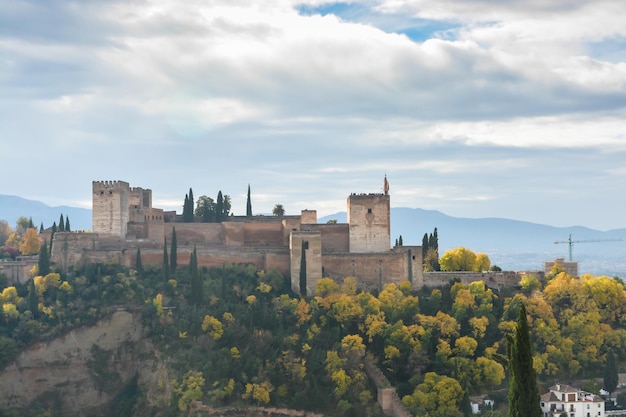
x=335, y=237
x=374, y=270
x=491, y=279
x=200, y=410
x=18, y=271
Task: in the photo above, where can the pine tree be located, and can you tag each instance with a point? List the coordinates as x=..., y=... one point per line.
x=43, y=264
x=61, y=224
x=524, y=400
x=138, y=264
x=33, y=299
x=249, y=204
x=303, y=269
x=166, y=266
x=67, y=224
x=174, y=252
x=611, y=378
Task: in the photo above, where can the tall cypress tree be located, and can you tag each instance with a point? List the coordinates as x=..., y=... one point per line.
x=166, y=266
x=611, y=378
x=174, y=252
x=138, y=264
x=196, y=283
x=249, y=204
x=43, y=264
x=524, y=399
x=41, y=229
x=67, y=224
x=192, y=205
x=219, y=207
x=30, y=223
x=303, y=269
x=61, y=224
x=33, y=300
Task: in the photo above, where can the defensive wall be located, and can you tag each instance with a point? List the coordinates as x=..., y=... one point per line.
x=491, y=279
x=374, y=270
x=18, y=271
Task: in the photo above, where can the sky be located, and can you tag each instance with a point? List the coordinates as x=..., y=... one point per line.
x=475, y=108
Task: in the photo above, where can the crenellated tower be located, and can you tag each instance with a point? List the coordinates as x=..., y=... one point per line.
x=369, y=221
x=110, y=214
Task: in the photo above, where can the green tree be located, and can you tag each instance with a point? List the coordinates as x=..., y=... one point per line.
x=188, y=207
x=248, y=204
x=41, y=229
x=197, y=294
x=524, y=400
x=166, y=266
x=219, y=207
x=67, y=224
x=173, y=252
x=611, y=379
x=43, y=264
x=138, y=264
x=61, y=224
x=21, y=225
x=303, y=269
x=278, y=210
x=205, y=209
x=33, y=299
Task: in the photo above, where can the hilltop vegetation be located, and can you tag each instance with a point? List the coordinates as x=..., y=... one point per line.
x=238, y=336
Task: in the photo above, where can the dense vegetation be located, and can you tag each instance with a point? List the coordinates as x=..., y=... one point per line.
x=235, y=335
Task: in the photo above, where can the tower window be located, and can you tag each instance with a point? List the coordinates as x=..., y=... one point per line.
x=369, y=211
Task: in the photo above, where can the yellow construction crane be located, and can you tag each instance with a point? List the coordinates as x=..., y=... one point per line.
x=571, y=242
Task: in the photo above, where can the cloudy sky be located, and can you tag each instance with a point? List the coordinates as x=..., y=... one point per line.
x=476, y=108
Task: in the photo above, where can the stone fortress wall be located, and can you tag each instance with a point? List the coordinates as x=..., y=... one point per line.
x=124, y=221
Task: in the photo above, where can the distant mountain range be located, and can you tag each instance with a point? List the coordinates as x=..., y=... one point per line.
x=510, y=244
x=12, y=207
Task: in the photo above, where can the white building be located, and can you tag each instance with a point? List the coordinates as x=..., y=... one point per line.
x=571, y=401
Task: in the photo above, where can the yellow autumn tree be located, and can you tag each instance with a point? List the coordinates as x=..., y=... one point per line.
x=31, y=242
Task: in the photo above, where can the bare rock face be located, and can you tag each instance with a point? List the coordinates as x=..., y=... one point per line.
x=82, y=371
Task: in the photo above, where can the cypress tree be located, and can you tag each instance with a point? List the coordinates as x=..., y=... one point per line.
x=524, y=400
x=138, y=264
x=611, y=378
x=41, y=229
x=61, y=224
x=67, y=224
x=54, y=227
x=303, y=269
x=219, y=207
x=424, y=245
x=249, y=204
x=191, y=205
x=196, y=283
x=400, y=241
x=30, y=223
x=33, y=300
x=174, y=252
x=166, y=266
x=185, y=207
x=43, y=264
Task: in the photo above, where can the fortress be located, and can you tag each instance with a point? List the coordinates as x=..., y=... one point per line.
x=124, y=220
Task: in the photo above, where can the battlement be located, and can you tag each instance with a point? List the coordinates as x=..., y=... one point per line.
x=109, y=184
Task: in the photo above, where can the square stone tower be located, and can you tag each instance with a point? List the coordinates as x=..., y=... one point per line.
x=110, y=214
x=369, y=223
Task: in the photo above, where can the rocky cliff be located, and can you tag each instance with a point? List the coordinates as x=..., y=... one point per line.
x=81, y=372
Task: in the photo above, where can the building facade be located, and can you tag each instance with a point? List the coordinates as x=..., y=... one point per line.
x=572, y=401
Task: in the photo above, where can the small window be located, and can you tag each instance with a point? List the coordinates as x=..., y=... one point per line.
x=110, y=192
x=101, y=192
x=369, y=211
